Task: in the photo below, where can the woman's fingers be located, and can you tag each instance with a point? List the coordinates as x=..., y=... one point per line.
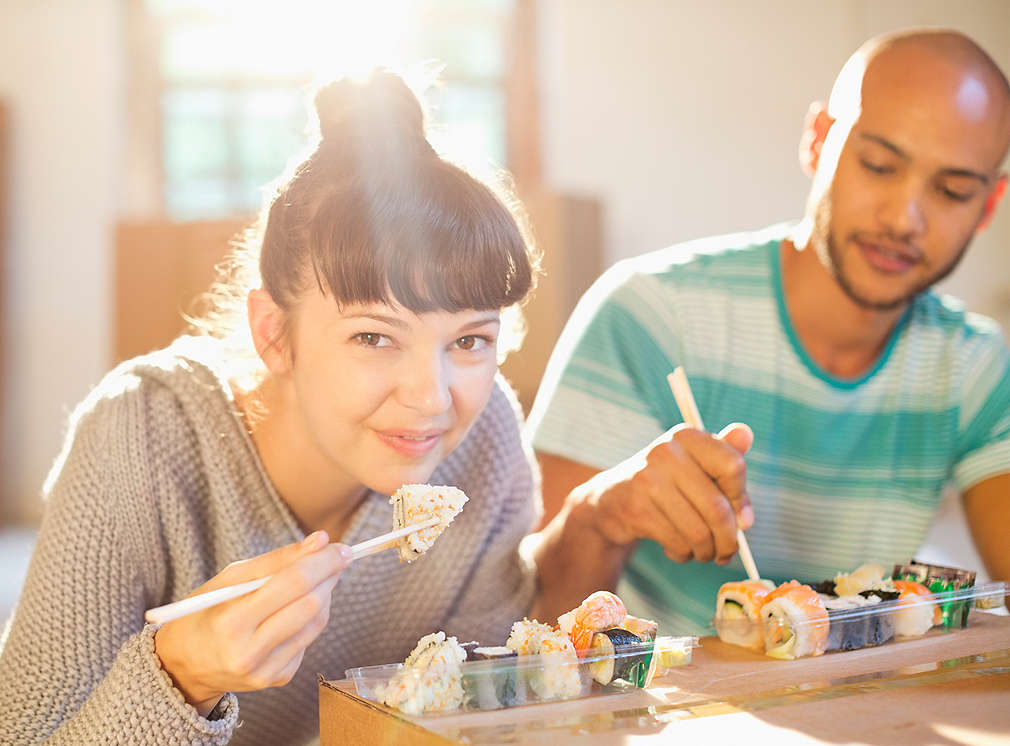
x=291, y=583
x=265, y=564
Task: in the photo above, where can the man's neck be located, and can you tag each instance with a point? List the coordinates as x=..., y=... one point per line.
x=842, y=337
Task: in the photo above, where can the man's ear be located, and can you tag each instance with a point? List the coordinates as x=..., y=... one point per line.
x=815, y=129
x=266, y=323
x=998, y=190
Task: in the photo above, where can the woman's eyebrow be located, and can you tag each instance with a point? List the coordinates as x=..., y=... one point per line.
x=391, y=320
x=481, y=322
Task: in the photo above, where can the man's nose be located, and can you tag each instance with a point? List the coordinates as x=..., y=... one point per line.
x=904, y=212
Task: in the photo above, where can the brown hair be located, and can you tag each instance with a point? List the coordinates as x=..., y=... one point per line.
x=374, y=215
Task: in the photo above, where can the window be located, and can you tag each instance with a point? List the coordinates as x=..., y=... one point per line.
x=233, y=75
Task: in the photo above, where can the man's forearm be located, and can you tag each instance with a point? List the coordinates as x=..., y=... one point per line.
x=573, y=559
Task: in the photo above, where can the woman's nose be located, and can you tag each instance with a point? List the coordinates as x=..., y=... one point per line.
x=427, y=386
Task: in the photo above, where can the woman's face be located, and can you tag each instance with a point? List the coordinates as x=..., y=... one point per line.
x=380, y=395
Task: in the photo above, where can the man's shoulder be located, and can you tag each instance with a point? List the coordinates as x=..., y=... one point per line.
x=948, y=316
x=720, y=259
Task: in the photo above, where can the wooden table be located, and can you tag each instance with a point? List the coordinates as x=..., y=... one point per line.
x=946, y=688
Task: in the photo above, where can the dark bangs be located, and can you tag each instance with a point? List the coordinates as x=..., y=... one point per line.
x=429, y=237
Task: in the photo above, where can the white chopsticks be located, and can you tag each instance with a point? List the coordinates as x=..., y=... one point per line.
x=168, y=612
x=685, y=400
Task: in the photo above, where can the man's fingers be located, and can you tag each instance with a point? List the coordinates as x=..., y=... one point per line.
x=738, y=435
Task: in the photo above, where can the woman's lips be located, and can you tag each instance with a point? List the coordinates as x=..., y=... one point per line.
x=411, y=444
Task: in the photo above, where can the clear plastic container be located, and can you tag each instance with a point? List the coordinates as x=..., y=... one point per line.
x=853, y=622
x=519, y=680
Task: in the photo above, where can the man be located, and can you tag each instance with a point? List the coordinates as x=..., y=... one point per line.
x=866, y=392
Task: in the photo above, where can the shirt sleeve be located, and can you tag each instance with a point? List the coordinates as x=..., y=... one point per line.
x=78, y=663
x=604, y=395
x=985, y=417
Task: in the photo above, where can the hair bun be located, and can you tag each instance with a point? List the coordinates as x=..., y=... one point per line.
x=379, y=107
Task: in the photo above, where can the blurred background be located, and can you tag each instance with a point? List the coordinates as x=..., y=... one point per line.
x=136, y=137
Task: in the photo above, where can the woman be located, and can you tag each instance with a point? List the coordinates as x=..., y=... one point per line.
x=372, y=331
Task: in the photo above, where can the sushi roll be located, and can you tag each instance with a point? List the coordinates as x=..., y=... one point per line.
x=430, y=680
x=599, y=611
x=846, y=623
x=493, y=682
x=560, y=677
x=737, y=612
x=618, y=654
x=916, y=611
x=643, y=628
x=415, y=503
x=795, y=622
x=557, y=675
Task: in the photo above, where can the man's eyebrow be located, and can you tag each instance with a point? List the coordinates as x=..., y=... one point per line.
x=962, y=172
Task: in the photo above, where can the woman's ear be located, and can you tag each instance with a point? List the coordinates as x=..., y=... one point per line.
x=815, y=130
x=266, y=323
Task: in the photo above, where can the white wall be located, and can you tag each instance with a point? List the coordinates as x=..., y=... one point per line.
x=60, y=73
x=685, y=117
x=682, y=116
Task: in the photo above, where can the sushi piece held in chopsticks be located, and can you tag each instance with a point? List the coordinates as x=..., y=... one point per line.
x=415, y=503
x=795, y=622
x=737, y=612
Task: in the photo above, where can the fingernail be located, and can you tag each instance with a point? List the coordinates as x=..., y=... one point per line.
x=746, y=517
x=346, y=553
x=315, y=540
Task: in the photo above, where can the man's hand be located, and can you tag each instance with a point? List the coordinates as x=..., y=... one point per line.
x=686, y=491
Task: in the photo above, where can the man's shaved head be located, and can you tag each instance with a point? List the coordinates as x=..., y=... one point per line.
x=906, y=160
x=937, y=57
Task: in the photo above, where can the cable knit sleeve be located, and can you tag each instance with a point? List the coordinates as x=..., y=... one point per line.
x=77, y=663
x=501, y=587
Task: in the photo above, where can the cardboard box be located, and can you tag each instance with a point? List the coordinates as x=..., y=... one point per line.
x=346, y=719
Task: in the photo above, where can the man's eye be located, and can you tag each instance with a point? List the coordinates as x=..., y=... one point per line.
x=369, y=339
x=877, y=168
x=956, y=196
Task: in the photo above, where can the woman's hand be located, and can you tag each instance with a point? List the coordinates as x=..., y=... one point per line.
x=258, y=640
x=687, y=491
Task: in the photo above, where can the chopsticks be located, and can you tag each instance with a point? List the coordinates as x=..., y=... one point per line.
x=689, y=410
x=168, y=612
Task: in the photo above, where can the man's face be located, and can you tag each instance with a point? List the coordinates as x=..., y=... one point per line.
x=910, y=180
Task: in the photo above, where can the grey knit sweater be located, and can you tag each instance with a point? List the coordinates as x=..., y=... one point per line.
x=157, y=489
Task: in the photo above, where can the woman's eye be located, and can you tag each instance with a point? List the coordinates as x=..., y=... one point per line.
x=472, y=342
x=371, y=339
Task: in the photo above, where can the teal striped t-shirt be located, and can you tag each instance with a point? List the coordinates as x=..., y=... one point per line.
x=842, y=471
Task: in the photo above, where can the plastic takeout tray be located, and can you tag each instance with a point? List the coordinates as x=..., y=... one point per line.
x=882, y=622
x=521, y=680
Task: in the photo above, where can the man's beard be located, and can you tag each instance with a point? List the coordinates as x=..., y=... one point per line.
x=823, y=241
